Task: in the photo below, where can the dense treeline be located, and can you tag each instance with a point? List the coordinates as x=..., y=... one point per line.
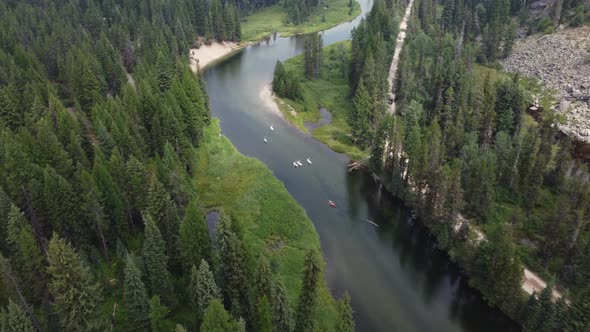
x=373, y=42
x=100, y=118
x=285, y=84
x=298, y=11
x=461, y=145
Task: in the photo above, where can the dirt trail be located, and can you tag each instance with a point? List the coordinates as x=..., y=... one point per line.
x=401, y=37
x=531, y=282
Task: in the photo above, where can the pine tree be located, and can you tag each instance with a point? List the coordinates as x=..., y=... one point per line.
x=59, y=204
x=263, y=278
x=156, y=263
x=164, y=72
x=195, y=244
x=241, y=325
x=158, y=313
x=233, y=273
x=499, y=272
x=92, y=209
x=26, y=254
x=136, y=299
x=264, y=317
x=201, y=14
x=278, y=84
x=217, y=22
x=546, y=321
x=578, y=316
x=138, y=183
x=5, y=205
x=15, y=319
x=282, y=319
x=217, y=319
x=202, y=288
x=76, y=297
x=360, y=113
x=9, y=114
x=304, y=318
x=163, y=211
x=112, y=195
x=87, y=89
x=346, y=323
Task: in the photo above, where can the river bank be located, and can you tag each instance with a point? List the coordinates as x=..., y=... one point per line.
x=329, y=92
x=273, y=19
x=271, y=222
x=207, y=55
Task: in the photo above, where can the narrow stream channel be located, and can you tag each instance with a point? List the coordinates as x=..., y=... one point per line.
x=396, y=277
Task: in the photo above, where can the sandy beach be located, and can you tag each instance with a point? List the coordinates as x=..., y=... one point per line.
x=207, y=54
x=269, y=100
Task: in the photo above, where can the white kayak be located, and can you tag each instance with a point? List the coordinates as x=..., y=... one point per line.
x=309, y=161
x=271, y=127
x=299, y=163
x=265, y=140
x=295, y=164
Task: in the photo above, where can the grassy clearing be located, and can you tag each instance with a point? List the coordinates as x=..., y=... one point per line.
x=274, y=19
x=330, y=91
x=270, y=220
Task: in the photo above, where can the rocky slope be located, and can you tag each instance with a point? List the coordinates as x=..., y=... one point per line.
x=560, y=61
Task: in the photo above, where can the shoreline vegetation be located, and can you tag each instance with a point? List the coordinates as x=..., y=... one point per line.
x=270, y=221
x=330, y=91
x=273, y=19
x=267, y=21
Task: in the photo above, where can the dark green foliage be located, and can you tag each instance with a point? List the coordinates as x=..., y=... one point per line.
x=304, y=317
x=76, y=297
x=285, y=84
x=497, y=270
x=158, y=313
x=195, y=244
x=346, y=323
x=299, y=11
x=9, y=113
x=136, y=299
x=263, y=278
x=264, y=317
x=360, y=117
x=96, y=99
x=282, y=319
x=87, y=88
x=232, y=272
x=29, y=265
x=164, y=72
x=217, y=319
x=156, y=263
x=14, y=319
x=165, y=214
x=313, y=55
x=202, y=288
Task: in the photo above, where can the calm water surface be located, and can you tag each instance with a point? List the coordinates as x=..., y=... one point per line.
x=396, y=277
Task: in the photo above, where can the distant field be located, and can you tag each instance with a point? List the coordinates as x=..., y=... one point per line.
x=274, y=19
x=271, y=222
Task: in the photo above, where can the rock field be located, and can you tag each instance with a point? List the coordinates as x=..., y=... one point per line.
x=562, y=63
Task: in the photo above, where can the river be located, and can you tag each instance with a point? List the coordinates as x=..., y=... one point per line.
x=396, y=277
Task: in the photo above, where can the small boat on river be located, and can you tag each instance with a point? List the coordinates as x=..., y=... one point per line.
x=299, y=163
x=265, y=140
x=309, y=161
x=332, y=204
x=295, y=164
x=272, y=128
